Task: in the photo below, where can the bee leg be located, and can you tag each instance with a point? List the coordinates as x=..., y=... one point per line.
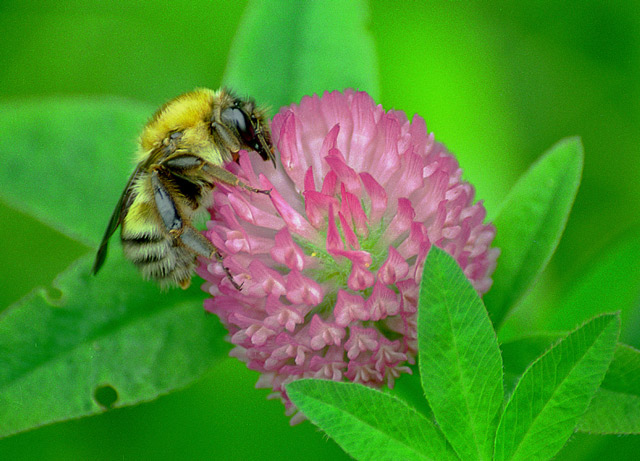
x=166, y=206
x=227, y=272
x=198, y=243
x=181, y=163
x=176, y=226
x=227, y=137
x=219, y=174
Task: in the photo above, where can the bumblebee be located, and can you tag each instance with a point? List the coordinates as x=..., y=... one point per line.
x=182, y=152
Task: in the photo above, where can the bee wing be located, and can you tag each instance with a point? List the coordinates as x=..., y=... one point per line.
x=116, y=219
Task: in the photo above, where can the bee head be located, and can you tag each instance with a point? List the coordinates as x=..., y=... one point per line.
x=252, y=127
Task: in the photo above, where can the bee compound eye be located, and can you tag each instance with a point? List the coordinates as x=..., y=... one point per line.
x=234, y=117
x=238, y=119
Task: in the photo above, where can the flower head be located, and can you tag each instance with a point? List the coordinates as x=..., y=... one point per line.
x=331, y=261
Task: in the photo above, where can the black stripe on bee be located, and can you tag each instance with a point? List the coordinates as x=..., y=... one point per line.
x=148, y=258
x=144, y=239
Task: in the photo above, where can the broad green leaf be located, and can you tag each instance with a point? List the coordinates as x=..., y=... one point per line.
x=66, y=161
x=623, y=374
x=71, y=355
x=615, y=409
x=518, y=354
x=367, y=423
x=530, y=222
x=555, y=391
x=408, y=387
x=285, y=49
x=612, y=283
x=459, y=358
x=611, y=413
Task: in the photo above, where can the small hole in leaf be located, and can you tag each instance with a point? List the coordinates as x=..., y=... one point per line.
x=105, y=396
x=54, y=296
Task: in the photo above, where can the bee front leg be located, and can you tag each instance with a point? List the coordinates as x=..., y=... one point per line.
x=219, y=174
x=181, y=230
x=180, y=164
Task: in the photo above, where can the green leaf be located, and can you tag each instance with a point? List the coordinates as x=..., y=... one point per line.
x=623, y=374
x=612, y=283
x=285, y=49
x=367, y=423
x=459, y=358
x=530, y=222
x=408, y=387
x=555, y=391
x=519, y=353
x=611, y=413
x=615, y=409
x=63, y=357
x=66, y=161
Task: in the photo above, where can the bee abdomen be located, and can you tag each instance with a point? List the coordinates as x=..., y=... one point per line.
x=145, y=248
x=160, y=259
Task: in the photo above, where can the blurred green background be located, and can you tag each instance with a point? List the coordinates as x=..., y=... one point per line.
x=498, y=83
